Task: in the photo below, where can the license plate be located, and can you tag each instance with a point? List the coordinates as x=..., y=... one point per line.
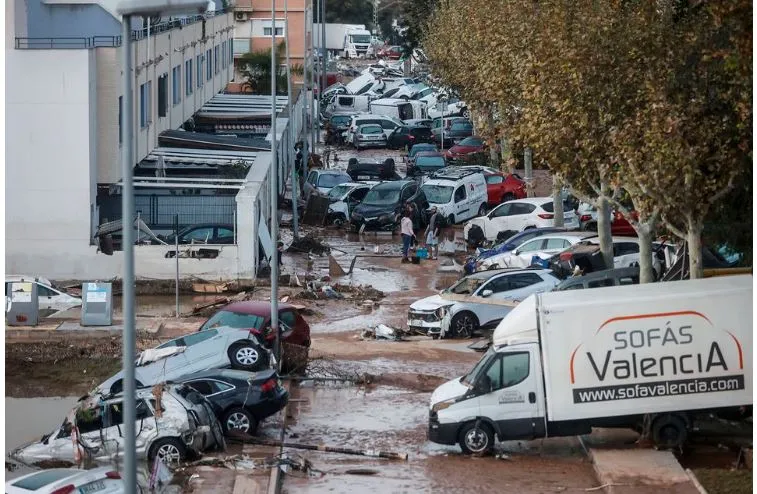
x=415, y=322
x=92, y=487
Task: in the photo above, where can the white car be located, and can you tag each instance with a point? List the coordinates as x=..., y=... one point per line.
x=344, y=198
x=426, y=315
x=212, y=348
x=321, y=181
x=519, y=215
x=542, y=247
x=184, y=423
x=50, y=298
x=103, y=480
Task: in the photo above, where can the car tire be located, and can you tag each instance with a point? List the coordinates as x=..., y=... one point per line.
x=669, y=431
x=465, y=113
x=476, y=438
x=247, y=356
x=483, y=210
x=508, y=197
x=239, y=419
x=463, y=325
x=118, y=386
x=339, y=220
x=168, y=448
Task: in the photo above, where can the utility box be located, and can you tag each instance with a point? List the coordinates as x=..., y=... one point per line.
x=97, y=304
x=22, y=304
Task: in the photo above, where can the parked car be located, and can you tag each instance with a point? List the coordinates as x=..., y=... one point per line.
x=519, y=215
x=371, y=169
x=543, y=247
x=599, y=279
x=467, y=317
x=507, y=245
x=458, y=131
x=50, y=298
x=392, y=53
x=418, y=122
x=205, y=233
x=240, y=400
x=619, y=225
x=425, y=163
x=443, y=124
x=421, y=147
x=388, y=124
x=503, y=187
x=102, y=480
x=587, y=256
x=343, y=199
x=384, y=204
x=369, y=135
x=407, y=136
x=169, y=433
x=464, y=149
x=323, y=180
x=457, y=194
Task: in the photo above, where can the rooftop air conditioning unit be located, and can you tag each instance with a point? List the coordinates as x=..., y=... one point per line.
x=240, y=16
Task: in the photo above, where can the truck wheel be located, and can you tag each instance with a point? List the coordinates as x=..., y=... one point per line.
x=463, y=325
x=669, y=431
x=476, y=438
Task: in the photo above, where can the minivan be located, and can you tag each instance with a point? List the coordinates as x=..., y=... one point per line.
x=458, y=194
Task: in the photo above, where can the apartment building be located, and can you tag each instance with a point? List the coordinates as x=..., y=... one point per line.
x=64, y=107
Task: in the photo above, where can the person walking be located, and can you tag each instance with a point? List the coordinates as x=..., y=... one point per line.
x=432, y=233
x=406, y=228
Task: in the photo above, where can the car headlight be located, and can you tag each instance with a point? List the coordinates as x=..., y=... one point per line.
x=442, y=311
x=443, y=404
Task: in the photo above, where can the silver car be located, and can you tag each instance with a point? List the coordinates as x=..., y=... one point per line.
x=369, y=135
x=460, y=310
x=169, y=425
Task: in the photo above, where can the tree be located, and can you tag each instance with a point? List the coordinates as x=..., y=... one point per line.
x=255, y=68
x=348, y=12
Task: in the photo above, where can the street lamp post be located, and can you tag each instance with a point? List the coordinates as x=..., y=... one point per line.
x=128, y=10
x=274, y=177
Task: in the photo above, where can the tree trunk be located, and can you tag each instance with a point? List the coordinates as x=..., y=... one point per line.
x=603, y=229
x=557, y=201
x=694, y=239
x=528, y=164
x=506, y=154
x=646, y=274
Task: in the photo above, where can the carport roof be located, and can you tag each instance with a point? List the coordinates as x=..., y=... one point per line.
x=240, y=106
x=182, y=158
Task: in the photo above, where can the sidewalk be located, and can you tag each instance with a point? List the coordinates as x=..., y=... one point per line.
x=637, y=471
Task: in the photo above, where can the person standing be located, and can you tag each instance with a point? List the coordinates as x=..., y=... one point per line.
x=406, y=228
x=432, y=233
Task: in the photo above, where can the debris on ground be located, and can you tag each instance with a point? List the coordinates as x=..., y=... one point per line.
x=319, y=290
x=502, y=456
x=309, y=244
x=382, y=332
x=450, y=266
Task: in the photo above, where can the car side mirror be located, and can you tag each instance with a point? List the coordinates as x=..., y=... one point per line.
x=516, y=252
x=487, y=293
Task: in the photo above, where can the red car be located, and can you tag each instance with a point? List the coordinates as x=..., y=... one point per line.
x=256, y=316
x=464, y=148
x=503, y=187
x=620, y=226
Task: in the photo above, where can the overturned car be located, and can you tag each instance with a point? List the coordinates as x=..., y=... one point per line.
x=172, y=422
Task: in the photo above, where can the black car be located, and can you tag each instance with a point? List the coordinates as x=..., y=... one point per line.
x=240, y=399
x=407, y=136
x=384, y=204
x=360, y=170
x=458, y=131
x=206, y=233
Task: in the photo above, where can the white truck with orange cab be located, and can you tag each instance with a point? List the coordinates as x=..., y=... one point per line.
x=563, y=362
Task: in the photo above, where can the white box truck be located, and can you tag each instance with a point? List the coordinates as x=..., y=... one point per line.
x=563, y=362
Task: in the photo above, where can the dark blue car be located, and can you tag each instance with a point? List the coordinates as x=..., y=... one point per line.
x=508, y=245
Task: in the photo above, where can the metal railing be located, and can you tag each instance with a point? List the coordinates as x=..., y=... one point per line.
x=84, y=42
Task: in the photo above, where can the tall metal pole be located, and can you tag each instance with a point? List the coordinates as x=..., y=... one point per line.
x=290, y=134
x=316, y=75
x=176, y=239
x=274, y=177
x=306, y=101
x=127, y=206
x=324, y=50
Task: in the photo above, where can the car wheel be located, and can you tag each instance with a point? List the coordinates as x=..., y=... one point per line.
x=118, y=386
x=482, y=210
x=339, y=220
x=669, y=431
x=239, y=419
x=476, y=438
x=169, y=449
x=249, y=357
x=508, y=197
x=463, y=325
x=466, y=113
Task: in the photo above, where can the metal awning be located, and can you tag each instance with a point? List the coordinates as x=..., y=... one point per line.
x=200, y=140
x=241, y=106
x=182, y=158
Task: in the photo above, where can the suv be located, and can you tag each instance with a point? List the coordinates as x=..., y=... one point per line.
x=405, y=136
x=388, y=124
x=384, y=204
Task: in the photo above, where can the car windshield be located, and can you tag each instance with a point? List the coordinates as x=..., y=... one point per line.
x=430, y=162
x=329, y=180
x=371, y=129
x=465, y=286
x=470, y=378
x=470, y=141
x=338, y=191
x=360, y=38
x=437, y=194
x=236, y=320
x=342, y=121
x=421, y=147
x=382, y=196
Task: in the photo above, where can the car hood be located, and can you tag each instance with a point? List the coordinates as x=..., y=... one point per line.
x=430, y=303
x=369, y=210
x=464, y=149
x=447, y=391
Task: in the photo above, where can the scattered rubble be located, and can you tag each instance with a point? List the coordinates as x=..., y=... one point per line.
x=318, y=290
x=309, y=244
x=382, y=332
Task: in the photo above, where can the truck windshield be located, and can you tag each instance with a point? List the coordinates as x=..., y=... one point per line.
x=470, y=378
x=360, y=38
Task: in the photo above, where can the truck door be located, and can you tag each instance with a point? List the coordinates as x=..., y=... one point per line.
x=513, y=402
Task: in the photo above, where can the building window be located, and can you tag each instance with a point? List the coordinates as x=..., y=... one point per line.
x=209, y=58
x=120, y=119
x=216, y=64
x=145, y=104
x=199, y=70
x=188, y=72
x=223, y=54
x=163, y=95
x=240, y=47
x=176, y=80
x=267, y=31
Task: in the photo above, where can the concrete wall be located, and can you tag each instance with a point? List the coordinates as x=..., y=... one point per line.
x=67, y=20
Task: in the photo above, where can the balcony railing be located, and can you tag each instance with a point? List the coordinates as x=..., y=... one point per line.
x=109, y=41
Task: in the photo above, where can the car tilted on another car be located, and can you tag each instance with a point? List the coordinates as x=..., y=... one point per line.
x=540, y=248
x=102, y=480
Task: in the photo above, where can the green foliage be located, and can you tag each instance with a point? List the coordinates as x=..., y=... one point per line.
x=255, y=67
x=348, y=12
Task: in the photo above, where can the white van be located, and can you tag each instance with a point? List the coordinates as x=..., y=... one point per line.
x=348, y=103
x=386, y=122
x=398, y=108
x=458, y=194
x=363, y=84
x=564, y=362
x=50, y=299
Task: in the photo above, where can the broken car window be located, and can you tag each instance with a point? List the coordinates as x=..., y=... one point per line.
x=89, y=420
x=466, y=286
x=233, y=320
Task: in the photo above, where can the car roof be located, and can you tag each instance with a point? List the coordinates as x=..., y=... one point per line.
x=538, y=201
x=330, y=172
x=12, y=278
x=581, y=235
x=370, y=125
x=615, y=240
x=253, y=307
x=356, y=184
x=490, y=273
x=599, y=275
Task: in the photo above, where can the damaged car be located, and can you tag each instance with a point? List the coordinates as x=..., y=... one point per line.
x=171, y=424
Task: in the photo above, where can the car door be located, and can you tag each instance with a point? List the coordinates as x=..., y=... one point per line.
x=460, y=206
x=554, y=246
x=512, y=400
x=521, y=257
x=489, y=314
x=203, y=349
x=498, y=221
x=521, y=215
x=287, y=321
x=224, y=236
x=145, y=426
